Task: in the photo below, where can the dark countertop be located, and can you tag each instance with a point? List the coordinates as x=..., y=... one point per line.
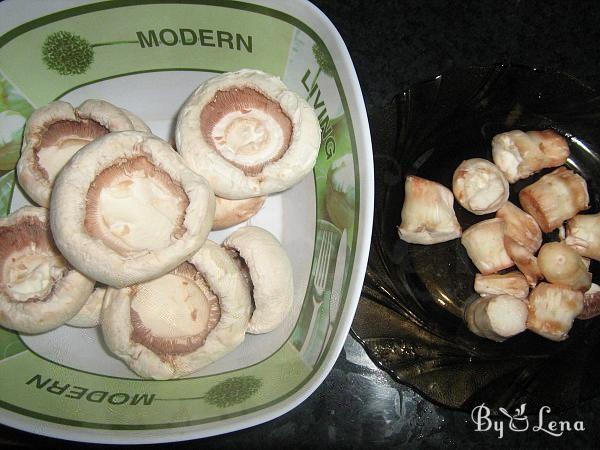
x=393, y=43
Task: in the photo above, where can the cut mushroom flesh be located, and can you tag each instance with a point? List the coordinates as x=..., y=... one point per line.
x=118, y=194
x=246, y=127
x=31, y=265
x=173, y=314
x=520, y=227
x=479, y=186
x=38, y=289
x=562, y=265
x=484, y=242
x=552, y=310
x=583, y=234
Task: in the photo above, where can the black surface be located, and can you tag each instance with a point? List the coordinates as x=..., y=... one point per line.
x=394, y=43
x=428, y=131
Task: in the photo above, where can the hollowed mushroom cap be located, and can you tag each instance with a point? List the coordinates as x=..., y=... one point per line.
x=233, y=212
x=271, y=278
x=175, y=325
x=55, y=132
x=127, y=209
x=38, y=289
x=90, y=313
x=247, y=134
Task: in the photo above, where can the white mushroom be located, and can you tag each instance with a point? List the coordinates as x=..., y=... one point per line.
x=127, y=209
x=552, y=310
x=591, y=303
x=248, y=134
x=512, y=283
x=55, y=132
x=136, y=121
x=176, y=324
x=496, y=318
x=554, y=198
x=38, y=289
x=520, y=227
x=233, y=212
x=269, y=274
x=428, y=215
x=484, y=242
x=519, y=154
x=90, y=313
x=583, y=234
x=562, y=265
x=479, y=186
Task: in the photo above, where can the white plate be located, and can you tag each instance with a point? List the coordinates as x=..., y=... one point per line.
x=64, y=383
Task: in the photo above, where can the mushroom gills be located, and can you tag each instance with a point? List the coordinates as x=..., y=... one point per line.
x=173, y=314
x=427, y=213
x=496, y=318
x=246, y=128
x=62, y=140
x=134, y=206
x=552, y=310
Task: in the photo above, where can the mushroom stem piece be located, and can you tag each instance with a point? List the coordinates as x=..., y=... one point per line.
x=562, y=265
x=520, y=227
x=427, y=214
x=484, y=243
x=552, y=310
x=591, y=303
x=525, y=260
x=519, y=154
x=496, y=318
x=555, y=197
x=513, y=284
x=583, y=234
x=479, y=186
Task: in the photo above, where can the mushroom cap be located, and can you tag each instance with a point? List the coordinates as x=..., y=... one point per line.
x=115, y=262
x=136, y=121
x=38, y=290
x=271, y=276
x=233, y=212
x=222, y=276
x=227, y=179
x=90, y=313
x=102, y=117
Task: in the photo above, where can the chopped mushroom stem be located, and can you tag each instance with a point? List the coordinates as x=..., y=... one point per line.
x=552, y=310
x=520, y=227
x=562, y=265
x=427, y=214
x=496, y=318
x=583, y=234
x=525, y=260
x=479, y=186
x=519, y=154
x=513, y=283
x=591, y=303
x=484, y=242
x=554, y=198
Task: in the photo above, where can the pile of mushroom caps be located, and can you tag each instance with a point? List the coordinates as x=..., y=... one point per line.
x=124, y=242
x=556, y=272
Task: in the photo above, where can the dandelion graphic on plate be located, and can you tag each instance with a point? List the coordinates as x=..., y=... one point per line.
x=323, y=60
x=233, y=391
x=70, y=54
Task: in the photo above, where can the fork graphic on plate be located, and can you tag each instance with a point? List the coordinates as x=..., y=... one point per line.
x=321, y=292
